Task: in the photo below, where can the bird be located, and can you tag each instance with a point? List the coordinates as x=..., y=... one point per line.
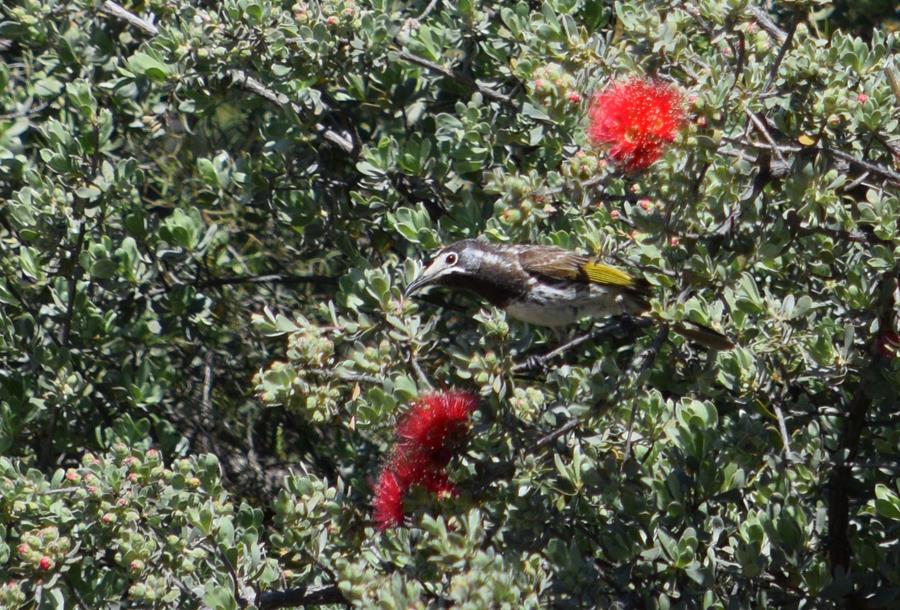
x=548, y=285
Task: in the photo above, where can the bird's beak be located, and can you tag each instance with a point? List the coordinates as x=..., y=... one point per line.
x=428, y=275
x=416, y=284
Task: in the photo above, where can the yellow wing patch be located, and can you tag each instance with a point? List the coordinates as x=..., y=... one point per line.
x=599, y=273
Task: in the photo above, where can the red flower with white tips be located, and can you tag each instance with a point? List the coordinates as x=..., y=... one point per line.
x=414, y=467
x=427, y=437
x=437, y=424
x=637, y=118
x=388, y=503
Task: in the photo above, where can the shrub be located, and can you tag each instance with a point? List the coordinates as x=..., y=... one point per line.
x=210, y=212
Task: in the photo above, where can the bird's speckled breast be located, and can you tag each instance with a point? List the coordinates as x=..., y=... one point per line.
x=566, y=303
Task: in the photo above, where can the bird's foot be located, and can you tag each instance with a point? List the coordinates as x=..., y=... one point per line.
x=532, y=363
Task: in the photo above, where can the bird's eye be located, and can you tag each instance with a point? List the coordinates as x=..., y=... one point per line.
x=451, y=258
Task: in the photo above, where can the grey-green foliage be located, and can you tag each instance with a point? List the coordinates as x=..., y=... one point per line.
x=210, y=211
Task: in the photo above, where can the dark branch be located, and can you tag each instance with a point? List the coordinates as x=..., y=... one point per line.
x=859, y=237
x=766, y=23
x=245, y=81
x=114, y=10
x=607, y=328
x=640, y=366
x=867, y=165
x=303, y=596
x=782, y=51
x=272, y=278
x=838, y=545
x=458, y=77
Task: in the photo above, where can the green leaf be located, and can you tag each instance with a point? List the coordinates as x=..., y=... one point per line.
x=149, y=66
x=48, y=87
x=104, y=268
x=887, y=503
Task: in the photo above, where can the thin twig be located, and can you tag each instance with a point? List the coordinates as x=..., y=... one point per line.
x=867, y=165
x=858, y=237
x=608, y=327
x=272, y=278
x=644, y=362
x=457, y=76
x=761, y=127
x=565, y=428
x=79, y=601
x=782, y=51
x=852, y=185
x=244, y=80
x=301, y=596
x=837, y=544
x=431, y=6
x=115, y=10
x=892, y=80
x=72, y=284
x=766, y=23
x=59, y=491
x=345, y=376
x=884, y=172
x=423, y=378
x=206, y=412
x=229, y=567
x=782, y=428
x=26, y=110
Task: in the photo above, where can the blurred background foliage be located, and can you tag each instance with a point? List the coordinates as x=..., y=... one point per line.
x=209, y=211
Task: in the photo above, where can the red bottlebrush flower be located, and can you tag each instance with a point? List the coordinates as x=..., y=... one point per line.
x=437, y=482
x=407, y=468
x=437, y=424
x=388, y=503
x=412, y=467
x=427, y=435
x=637, y=118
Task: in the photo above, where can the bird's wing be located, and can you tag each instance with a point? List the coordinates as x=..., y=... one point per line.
x=558, y=263
x=552, y=262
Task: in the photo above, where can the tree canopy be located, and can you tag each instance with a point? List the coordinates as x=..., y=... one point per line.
x=210, y=211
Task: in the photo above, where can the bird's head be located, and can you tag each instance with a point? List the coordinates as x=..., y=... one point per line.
x=450, y=265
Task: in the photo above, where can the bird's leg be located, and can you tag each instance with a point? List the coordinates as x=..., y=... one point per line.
x=538, y=361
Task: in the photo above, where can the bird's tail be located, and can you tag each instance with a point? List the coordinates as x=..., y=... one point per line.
x=703, y=335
